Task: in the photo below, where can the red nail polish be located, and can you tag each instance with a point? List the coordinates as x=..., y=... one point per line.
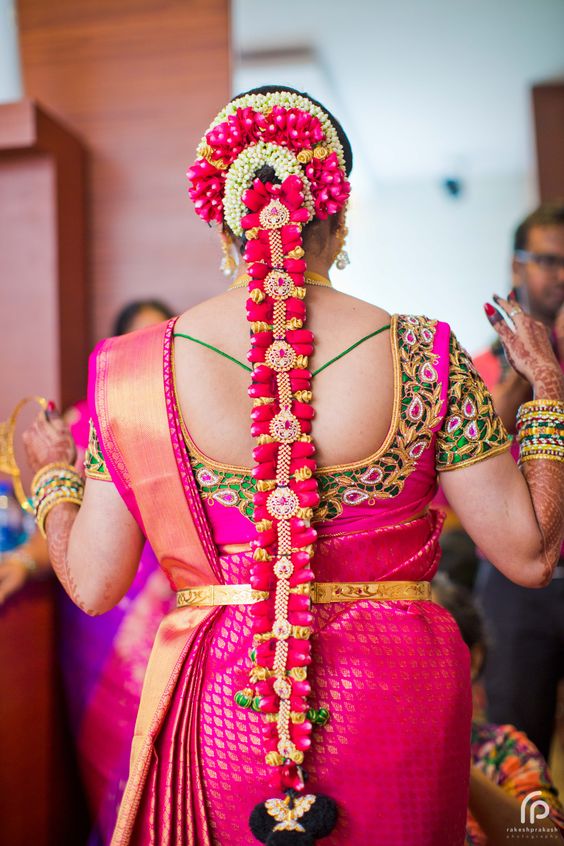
x=512, y=295
x=50, y=406
x=489, y=309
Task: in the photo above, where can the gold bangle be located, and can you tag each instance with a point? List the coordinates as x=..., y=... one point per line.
x=555, y=406
x=540, y=457
x=41, y=518
x=54, y=465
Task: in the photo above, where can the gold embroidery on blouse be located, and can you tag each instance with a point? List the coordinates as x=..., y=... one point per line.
x=94, y=461
x=420, y=410
x=471, y=430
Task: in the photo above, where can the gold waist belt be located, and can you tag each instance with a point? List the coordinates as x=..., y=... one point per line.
x=321, y=593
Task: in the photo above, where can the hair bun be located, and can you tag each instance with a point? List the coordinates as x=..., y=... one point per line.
x=266, y=173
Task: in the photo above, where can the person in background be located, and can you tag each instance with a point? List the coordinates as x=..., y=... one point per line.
x=527, y=627
x=506, y=766
x=103, y=659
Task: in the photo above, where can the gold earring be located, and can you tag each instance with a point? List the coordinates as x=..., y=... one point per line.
x=342, y=259
x=228, y=264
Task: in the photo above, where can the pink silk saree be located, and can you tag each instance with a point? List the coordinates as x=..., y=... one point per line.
x=395, y=676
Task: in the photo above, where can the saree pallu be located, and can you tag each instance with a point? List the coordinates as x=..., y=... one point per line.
x=394, y=675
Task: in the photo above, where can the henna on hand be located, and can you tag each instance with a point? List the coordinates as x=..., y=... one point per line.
x=58, y=527
x=527, y=347
x=530, y=353
x=48, y=440
x=545, y=480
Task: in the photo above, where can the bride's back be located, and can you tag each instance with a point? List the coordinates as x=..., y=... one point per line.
x=353, y=397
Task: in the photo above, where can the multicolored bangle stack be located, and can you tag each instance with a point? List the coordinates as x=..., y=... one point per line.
x=55, y=483
x=540, y=430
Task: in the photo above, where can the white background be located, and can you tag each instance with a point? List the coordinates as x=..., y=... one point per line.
x=426, y=89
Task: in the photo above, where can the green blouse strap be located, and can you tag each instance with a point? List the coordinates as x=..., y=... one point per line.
x=215, y=349
x=348, y=350
x=246, y=367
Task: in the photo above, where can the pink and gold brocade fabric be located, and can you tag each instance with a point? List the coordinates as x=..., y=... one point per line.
x=395, y=679
x=395, y=676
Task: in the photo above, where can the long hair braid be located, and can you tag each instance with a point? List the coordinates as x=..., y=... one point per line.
x=291, y=137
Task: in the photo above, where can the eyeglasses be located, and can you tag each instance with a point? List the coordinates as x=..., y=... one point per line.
x=547, y=261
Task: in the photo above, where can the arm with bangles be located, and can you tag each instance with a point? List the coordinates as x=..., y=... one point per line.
x=95, y=549
x=516, y=516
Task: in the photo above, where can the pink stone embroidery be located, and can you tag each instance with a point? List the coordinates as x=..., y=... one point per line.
x=354, y=496
x=453, y=423
x=417, y=449
x=415, y=409
x=372, y=476
x=426, y=335
x=427, y=373
x=206, y=477
x=469, y=408
x=410, y=337
x=225, y=497
x=471, y=431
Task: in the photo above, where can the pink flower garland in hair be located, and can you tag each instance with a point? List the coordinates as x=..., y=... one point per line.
x=283, y=504
x=287, y=490
x=284, y=469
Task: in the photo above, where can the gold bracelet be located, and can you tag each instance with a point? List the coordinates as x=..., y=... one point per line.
x=541, y=405
x=540, y=457
x=48, y=507
x=49, y=468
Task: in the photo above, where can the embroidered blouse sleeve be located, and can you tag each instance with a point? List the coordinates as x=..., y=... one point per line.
x=471, y=430
x=94, y=461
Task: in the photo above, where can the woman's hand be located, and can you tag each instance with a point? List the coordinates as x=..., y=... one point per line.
x=527, y=346
x=49, y=440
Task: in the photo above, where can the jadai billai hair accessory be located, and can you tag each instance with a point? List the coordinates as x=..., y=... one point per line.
x=295, y=138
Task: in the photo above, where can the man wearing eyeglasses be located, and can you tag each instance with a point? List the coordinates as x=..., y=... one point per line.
x=526, y=626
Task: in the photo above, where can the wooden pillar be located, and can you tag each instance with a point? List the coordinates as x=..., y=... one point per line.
x=548, y=107
x=43, y=309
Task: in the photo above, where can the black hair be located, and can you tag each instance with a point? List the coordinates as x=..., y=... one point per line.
x=130, y=311
x=547, y=214
x=459, y=602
